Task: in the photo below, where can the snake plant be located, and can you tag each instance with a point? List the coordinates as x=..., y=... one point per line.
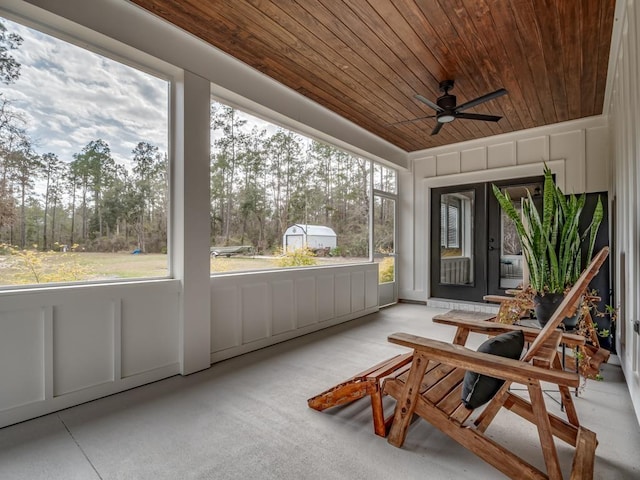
x=551, y=240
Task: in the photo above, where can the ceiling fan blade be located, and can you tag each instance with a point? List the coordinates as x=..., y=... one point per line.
x=429, y=102
x=478, y=116
x=410, y=121
x=437, y=128
x=482, y=99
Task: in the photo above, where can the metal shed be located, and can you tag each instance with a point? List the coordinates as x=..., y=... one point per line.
x=315, y=237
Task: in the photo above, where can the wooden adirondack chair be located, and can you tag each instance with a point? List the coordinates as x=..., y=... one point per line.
x=432, y=389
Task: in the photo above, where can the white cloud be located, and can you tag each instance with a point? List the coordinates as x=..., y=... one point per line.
x=70, y=96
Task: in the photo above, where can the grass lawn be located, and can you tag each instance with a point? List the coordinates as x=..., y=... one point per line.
x=77, y=266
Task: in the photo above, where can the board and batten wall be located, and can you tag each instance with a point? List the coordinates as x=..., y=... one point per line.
x=624, y=117
x=254, y=310
x=577, y=151
x=63, y=346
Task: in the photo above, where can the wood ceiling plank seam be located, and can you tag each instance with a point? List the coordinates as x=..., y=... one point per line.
x=350, y=17
x=387, y=36
x=604, y=47
x=479, y=24
x=247, y=55
x=332, y=100
x=525, y=93
x=454, y=68
x=381, y=67
x=409, y=38
x=591, y=20
x=496, y=46
x=445, y=30
x=549, y=25
x=373, y=43
x=300, y=54
x=334, y=38
x=439, y=18
x=570, y=19
x=526, y=22
x=291, y=23
x=387, y=59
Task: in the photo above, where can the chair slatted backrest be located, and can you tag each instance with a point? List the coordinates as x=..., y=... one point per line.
x=571, y=299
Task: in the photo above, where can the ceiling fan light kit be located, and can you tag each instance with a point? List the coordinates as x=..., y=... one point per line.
x=447, y=110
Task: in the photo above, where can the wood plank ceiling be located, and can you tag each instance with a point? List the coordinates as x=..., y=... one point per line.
x=367, y=59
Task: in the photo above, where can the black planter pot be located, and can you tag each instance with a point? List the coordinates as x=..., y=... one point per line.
x=545, y=305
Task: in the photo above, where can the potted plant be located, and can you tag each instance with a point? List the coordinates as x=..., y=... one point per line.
x=552, y=243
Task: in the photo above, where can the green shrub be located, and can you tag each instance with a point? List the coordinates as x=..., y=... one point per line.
x=300, y=257
x=386, y=270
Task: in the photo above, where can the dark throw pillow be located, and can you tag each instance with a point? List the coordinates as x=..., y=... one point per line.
x=479, y=389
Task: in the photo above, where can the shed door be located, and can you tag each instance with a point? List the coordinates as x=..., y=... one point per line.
x=294, y=242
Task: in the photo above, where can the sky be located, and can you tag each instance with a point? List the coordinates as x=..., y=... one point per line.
x=70, y=96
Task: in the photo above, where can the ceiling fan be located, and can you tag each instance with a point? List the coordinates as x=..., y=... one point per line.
x=448, y=111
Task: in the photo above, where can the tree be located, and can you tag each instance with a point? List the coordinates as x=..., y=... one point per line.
x=25, y=164
x=12, y=132
x=52, y=172
x=230, y=147
x=147, y=166
x=9, y=67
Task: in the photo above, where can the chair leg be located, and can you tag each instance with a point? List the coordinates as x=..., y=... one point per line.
x=379, y=425
x=544, y=432
x=406, y=404
x=489, y=413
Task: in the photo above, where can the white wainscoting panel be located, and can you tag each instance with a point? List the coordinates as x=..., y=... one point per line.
x=256, y=304
x=501, y=155
x=283, y=308
x=273, y=306
x=83, y=344
x=148, y=332
x=371, y=297
x=343, y=293
x=226, y=302
x=306, y=301
x=22, y=357
x=357, y=291
x=62, y=346
x=326, y=297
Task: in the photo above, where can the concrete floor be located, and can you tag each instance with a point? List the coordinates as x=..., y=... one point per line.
x=247, y=418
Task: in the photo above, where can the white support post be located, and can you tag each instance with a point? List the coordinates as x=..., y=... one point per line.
x=190, y=219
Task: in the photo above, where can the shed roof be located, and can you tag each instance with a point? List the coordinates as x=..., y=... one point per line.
x=319, y=230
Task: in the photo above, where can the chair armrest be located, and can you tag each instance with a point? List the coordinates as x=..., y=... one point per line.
x=495, y=328
x=483, y=363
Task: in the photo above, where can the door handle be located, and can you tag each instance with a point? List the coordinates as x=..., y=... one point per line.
x=491, y=248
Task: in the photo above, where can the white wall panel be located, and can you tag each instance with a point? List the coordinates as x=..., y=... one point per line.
x=61, y=346
x=306, y=301
x=343, y=294
x=501, y=155
x=283, y=304
x=326, y=296
x=357, y=291
x=283, y=307
x=473, y=159
x=625, y=184
x=256, y=312
x=22, y=357
x=371, y=288
x=83, y=344
x=448, y=163
x=225, y=314
x=148, y=334
x=532, y=150
x=598, y=161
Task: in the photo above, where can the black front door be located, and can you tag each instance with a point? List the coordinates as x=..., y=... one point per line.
x=474, y=249
x=458, y=242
